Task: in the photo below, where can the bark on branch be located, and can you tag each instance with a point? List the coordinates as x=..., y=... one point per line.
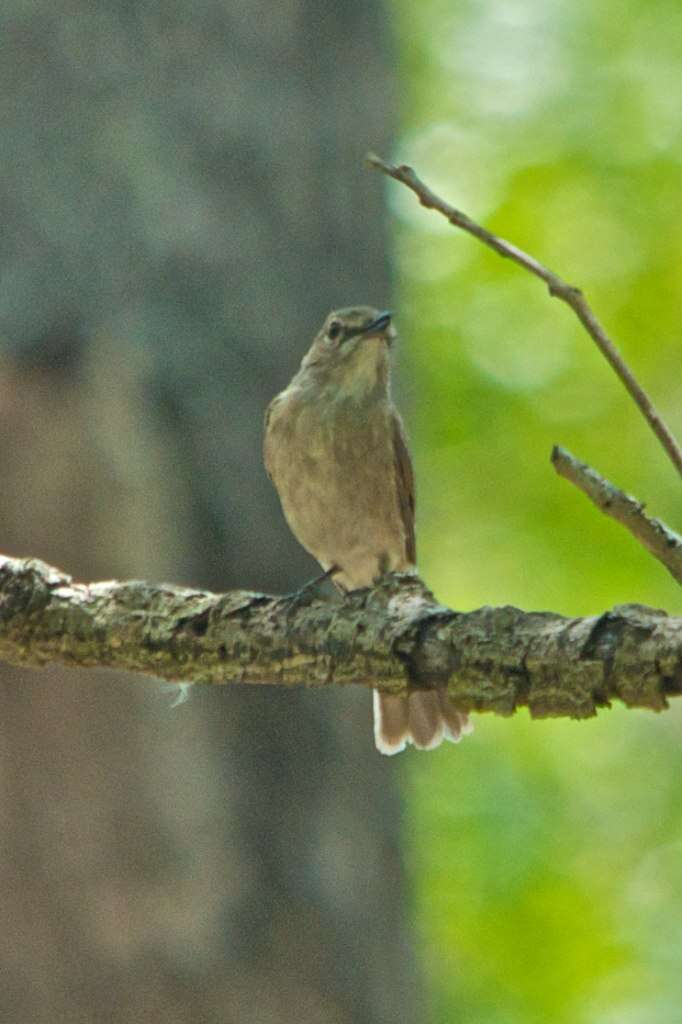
x=393, y=636
x=662, y=542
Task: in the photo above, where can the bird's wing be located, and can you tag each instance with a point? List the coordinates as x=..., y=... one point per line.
x=405, y=481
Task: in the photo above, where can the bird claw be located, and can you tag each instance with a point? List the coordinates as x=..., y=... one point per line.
x=305, y=594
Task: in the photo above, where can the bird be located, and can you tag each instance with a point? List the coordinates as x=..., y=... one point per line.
x=336, y=451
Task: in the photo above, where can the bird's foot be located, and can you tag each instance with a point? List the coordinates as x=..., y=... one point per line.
x=306, y=593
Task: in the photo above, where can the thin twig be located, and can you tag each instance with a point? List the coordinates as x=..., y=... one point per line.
x=558, y=288
x=663, y=543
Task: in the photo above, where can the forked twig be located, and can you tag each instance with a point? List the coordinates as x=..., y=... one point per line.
x=558, y=288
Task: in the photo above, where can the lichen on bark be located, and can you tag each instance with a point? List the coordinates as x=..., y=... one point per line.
x=394, y=636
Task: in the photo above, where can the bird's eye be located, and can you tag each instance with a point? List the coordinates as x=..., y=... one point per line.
x=335, y=330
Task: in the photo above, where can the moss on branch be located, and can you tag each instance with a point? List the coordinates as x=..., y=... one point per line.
x=393, y=637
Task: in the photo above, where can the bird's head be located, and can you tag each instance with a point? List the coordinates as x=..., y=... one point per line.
x=351, y=351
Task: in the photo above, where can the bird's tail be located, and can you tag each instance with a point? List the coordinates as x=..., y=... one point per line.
x=422, y=717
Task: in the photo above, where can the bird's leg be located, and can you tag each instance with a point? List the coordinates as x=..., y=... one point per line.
x=296, y=595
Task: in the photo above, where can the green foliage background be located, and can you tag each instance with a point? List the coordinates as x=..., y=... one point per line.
x=547, y=856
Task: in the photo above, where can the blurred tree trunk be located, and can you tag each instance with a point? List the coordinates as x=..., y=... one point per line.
x=183, y=203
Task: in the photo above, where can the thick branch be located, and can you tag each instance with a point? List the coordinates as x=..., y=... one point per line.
x=663, y=543
x=394, y=636
x=559, y=288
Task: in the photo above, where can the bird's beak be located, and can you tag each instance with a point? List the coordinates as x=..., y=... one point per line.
x=378, y=325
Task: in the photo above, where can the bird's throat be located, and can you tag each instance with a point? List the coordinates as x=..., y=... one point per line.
x=366, y=374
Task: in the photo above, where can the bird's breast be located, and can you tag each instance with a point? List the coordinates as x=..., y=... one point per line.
x=333, y=465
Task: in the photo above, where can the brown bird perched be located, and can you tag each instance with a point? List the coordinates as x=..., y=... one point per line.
x=336, y=451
